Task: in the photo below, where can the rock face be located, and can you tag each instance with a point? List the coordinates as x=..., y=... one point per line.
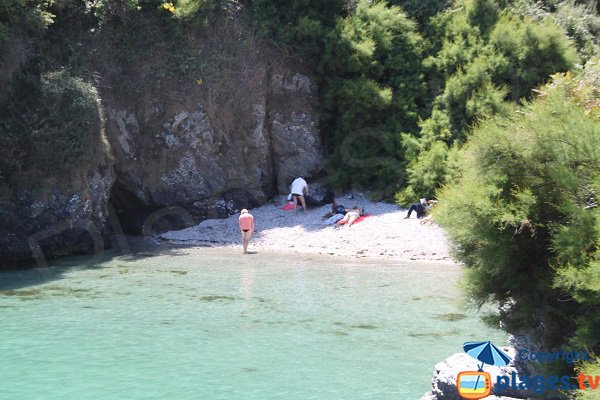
x=296, y=142
x=446, y=373
x=170, y=152
x=49, y=215
x=183, y=153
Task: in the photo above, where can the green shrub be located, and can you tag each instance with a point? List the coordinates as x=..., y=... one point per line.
x=300, y=23
x=524, y=214
x=61, y=128
x=421, y=10
x=68, y=121
x=591, y=368
x=23, y=17
x=371, y=78
x=486, y=58
x=579, y=19
x=532, y=51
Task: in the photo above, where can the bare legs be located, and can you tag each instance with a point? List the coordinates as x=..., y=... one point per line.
x=245, y=240
x=349, y=219
x=352, y=219
x=295, y=198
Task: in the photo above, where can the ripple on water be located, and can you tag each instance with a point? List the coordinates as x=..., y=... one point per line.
x=451, y=316
x=219, y=298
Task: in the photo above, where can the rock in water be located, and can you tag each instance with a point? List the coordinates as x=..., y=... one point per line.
x=446, y=373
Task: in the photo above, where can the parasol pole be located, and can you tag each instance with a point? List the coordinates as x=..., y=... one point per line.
x=479, y=370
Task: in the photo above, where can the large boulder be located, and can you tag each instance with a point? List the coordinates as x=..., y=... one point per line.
x=446, y=373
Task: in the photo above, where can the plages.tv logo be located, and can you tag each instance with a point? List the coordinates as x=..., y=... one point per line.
x=478, y=384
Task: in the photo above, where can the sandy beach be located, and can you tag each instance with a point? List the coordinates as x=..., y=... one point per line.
x=383, y=235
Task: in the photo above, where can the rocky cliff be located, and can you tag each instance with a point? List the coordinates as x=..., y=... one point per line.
x=48, y=213
x=183, y=154
x=168, y=153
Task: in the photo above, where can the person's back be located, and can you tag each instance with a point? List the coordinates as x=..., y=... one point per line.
x=299, y=189
x=298, y=186
x=246, y=220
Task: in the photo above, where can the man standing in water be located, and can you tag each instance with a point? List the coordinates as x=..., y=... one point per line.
x=246, y=227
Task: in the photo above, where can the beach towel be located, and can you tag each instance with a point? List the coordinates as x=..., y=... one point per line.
x=360, y=219
x=289, y=206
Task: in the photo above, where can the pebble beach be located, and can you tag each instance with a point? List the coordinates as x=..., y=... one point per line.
x=385, y=234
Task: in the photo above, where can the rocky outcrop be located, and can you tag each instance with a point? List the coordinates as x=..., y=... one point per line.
x=171, y=150
x=296, y=142
x=184, y=153
x=208, y=147
x=446, y=373
x=48, y=214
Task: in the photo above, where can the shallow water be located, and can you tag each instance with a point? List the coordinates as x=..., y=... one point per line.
x=207, y=324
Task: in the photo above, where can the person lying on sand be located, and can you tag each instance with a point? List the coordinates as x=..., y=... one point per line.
x=352, y=214
x=421, y=207
x=418, y=207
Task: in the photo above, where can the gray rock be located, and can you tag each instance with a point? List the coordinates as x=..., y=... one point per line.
x=189, y=157
x=44, y=216
x=446, y=373
x=296, y=141
x=169, y=156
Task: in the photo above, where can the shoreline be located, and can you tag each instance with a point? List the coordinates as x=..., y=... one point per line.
x=384, y=236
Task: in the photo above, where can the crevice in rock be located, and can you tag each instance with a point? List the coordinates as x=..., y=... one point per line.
x=135, y=217
x=272, y=190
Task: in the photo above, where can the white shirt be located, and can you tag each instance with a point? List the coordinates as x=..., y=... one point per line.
x=298, y=186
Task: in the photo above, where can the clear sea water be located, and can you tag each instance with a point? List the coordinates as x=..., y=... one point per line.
x=213, y=324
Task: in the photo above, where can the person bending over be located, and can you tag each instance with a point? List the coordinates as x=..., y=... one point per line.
x=299, y=189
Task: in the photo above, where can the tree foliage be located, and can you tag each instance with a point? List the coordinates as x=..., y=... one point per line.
x=301, y=23
x=23, y=17
x=524, y=214
x=371, y=75
x=487, y=56
x=63, y=125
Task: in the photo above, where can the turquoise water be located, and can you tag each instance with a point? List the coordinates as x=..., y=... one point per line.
x=208, y=324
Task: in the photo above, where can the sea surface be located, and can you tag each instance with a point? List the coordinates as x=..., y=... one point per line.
x=213, y=324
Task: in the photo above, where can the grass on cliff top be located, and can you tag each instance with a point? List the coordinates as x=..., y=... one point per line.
x=52, y=127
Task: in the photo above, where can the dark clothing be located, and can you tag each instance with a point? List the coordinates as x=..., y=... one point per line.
x=338, y=209
x=419, y=208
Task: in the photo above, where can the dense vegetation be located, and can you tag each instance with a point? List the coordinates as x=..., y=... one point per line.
x=415, y=95
x=397, y=96
x=524, y=213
